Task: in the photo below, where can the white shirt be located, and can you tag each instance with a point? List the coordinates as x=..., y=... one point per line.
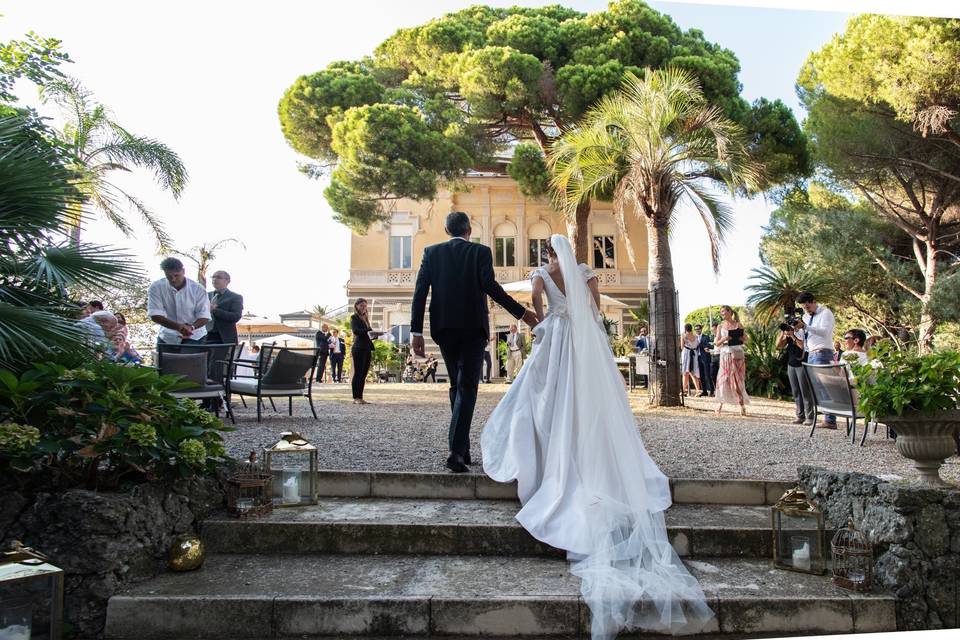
x=186, y=305
x=818, y=334
x=334, y=342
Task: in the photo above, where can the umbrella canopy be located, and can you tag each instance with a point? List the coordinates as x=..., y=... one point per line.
x=522, y=290
x=286, y=340
x=261, y=325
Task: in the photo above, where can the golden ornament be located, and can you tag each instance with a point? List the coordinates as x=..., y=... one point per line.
x=186, y=553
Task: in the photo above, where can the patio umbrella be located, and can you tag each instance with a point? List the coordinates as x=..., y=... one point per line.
x=285, y=340
x=522, y=290
x=250, y=325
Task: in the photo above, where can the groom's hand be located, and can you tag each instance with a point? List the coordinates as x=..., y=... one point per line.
x=417, y=344
x=530, y=318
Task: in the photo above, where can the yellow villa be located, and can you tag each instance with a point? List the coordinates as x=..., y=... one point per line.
x=384, y=262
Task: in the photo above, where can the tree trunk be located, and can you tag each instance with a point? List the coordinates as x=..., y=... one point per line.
x=928, y=323
x=579, y=232
x=665, y=388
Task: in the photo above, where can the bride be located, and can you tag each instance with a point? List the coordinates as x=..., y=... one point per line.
x=565, y=432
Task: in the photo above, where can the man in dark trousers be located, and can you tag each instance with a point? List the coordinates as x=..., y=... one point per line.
x=460, y=275
x=704, y=347
x=322, y=341
x=337, y=351
x=226, y=307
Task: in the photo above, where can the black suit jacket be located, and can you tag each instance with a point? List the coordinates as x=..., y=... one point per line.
x=460, y=273
x=228, y=312
x=322, y=341
x=361, y=339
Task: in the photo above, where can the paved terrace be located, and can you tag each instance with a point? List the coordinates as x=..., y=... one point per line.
x=404, y=429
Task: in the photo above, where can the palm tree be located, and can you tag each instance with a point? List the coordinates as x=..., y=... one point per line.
x=318, y=311
x=202, y=255
x=38, y=262
x=653, y=145
x=98, y=146
x=775, y=291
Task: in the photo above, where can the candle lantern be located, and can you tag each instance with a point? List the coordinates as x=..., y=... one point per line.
x=798, y=539
x=248, y=489
x=292, y=462
x=852, y=559
x=31, y=593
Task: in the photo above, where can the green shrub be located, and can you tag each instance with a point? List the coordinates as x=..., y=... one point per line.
x=903, y=381
x=101, y=424
x=766, y=365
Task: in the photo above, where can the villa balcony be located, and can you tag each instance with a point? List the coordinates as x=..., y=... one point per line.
x=404, y=279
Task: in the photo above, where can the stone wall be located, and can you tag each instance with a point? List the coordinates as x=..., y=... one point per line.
x=103, y=540
x=915, y=531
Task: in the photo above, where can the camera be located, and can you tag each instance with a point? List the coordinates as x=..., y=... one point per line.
x=791, y=319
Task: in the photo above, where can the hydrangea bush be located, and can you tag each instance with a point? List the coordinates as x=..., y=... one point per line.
x=101, y=424
x=899, y=382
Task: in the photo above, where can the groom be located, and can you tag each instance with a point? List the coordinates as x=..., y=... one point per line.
x=460, y=273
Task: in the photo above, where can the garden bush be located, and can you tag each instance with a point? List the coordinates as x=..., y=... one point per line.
x=766, y=365
x=101, y=424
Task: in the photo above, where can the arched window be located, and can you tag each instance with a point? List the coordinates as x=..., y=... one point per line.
x=504, y=245
x=537, y=236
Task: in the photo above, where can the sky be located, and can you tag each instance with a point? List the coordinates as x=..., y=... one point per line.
x=205, y=78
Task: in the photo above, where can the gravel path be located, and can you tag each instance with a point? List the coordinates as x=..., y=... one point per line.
x=405, y=429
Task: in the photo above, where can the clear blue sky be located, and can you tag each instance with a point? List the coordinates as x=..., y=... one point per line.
x=205, y=78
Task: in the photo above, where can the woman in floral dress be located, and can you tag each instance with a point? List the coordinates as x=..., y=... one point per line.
x=730, y=337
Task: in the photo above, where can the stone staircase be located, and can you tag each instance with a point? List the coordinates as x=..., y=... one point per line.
x=415, y=554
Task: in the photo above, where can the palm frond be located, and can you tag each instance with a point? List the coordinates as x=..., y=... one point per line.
x=775, y=290
x=28, y=334
x=150, y=154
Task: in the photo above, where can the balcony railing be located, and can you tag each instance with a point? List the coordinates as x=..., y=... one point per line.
x=406, y=278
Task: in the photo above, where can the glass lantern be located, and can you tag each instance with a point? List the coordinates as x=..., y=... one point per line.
x=292, y=463
x=248, y=489
x=798, y=538
x=852, y=559
x=31, y=593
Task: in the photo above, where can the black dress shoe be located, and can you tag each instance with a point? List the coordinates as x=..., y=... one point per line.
x=455, y=464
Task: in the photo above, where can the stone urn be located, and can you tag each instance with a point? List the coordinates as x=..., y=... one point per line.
x=927, y=439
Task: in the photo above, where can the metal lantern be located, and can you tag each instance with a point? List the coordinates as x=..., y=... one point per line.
x=798, y=540
x=248, y=489
x=852, y=559
x=31, y=589
x=292, y=462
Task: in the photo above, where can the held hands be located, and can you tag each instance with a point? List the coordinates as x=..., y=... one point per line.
x=530, y=318
x=213, y=306
x=186, y=330
x=418, y=346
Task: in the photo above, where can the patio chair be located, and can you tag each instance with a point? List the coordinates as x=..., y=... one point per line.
x=206, y=365
x=280, y=372
x=834, y=395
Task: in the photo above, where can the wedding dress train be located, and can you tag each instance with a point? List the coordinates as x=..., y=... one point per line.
x=565, y=432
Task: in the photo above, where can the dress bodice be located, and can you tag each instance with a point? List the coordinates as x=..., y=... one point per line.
x=556, y=300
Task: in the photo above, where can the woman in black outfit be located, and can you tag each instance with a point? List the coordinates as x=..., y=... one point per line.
x=362, y=349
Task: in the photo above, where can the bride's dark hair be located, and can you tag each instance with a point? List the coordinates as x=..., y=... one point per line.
x=550, y=249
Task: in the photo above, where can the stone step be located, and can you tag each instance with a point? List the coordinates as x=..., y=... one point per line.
x=464, y=527
x=384, y=484
x=255, y=596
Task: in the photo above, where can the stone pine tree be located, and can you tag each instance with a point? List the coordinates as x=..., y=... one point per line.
x=883, y=101
x=655, y=145
x=437, y=99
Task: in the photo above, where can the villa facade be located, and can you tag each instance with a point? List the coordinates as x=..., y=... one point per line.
x=384, y=262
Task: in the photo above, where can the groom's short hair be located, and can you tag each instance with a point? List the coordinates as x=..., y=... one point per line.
x=457, y=224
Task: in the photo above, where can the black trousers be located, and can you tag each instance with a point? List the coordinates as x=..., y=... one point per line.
x=462, y=351
x=336, y=366
x=361, y=366
x=706, y=374
x=487, y=365
x=321, y=365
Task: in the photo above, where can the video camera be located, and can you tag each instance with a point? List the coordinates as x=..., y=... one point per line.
x=791, y=319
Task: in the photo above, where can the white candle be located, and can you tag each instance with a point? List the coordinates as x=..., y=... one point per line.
x=801, y=557
x=291, y=486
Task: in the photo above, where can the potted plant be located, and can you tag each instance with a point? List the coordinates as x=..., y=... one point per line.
x=918, y=397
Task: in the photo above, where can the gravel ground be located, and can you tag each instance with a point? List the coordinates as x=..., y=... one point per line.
x=405, y=429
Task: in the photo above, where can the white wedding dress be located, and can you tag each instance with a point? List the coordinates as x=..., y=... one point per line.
x=565, y=432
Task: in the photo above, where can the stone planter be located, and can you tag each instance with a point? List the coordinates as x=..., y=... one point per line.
x=927, y=439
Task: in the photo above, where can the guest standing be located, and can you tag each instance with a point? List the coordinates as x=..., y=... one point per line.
x=816, y=328
x=731, y=381
x=362, y=350
x=799, y=385
x=179, y=305
x=226, y=307
x=516, y=351
x=337, y=352
x=705, y=346
x=322, y=341
x=642, y=345
x=690, y=360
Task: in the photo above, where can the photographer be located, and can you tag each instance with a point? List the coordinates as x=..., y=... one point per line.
x=802, y=395
x=816, y=328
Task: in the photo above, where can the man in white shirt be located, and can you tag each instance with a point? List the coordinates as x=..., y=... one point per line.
x=816, y=330
x=179, y=305
x=516, y=345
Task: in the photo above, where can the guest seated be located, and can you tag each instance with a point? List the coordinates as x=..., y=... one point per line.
x=99, y=327
x=123, y=351
x=854, y=344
